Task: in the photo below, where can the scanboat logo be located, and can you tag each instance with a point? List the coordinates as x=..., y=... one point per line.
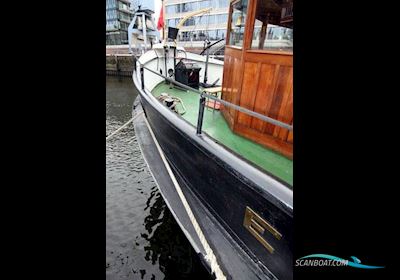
x=328, y=260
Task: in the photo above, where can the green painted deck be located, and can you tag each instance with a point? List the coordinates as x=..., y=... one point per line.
x=215, y=125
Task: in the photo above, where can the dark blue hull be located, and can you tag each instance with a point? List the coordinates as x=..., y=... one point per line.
x=220, y=186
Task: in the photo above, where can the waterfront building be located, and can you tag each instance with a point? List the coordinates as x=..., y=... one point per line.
x=214, y=23
x=195, y=29
x=118, y=17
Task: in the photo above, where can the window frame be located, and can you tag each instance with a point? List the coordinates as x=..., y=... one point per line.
x=228, y=33
x=251, y=24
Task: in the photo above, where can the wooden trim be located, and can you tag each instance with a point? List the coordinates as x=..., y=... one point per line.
x=250, y=4
x=249, y=28
x=259, y=64
x=269, y=52
x=284, y=60
x=251, y=18
x=234, y=47
x=234, y=52
x=228, y=33
x=239, y=93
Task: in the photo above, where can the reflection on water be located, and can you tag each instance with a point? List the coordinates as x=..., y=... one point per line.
x=143, y=240
x=168, y=246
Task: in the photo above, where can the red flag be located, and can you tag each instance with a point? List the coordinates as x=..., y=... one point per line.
x=160, y=23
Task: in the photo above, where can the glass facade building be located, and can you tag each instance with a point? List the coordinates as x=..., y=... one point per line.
x=212, y=24
x=118, y=17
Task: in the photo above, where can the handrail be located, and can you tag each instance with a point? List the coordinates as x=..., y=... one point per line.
x=225, y=103
x=213, y=44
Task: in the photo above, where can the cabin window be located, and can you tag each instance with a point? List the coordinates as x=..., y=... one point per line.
x=238, y=19
x=273, y=26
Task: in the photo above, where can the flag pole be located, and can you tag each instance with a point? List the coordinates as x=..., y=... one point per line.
x=165, y=21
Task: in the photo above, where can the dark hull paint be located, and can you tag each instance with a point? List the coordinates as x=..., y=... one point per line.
x=224, y=189
x=232, y=259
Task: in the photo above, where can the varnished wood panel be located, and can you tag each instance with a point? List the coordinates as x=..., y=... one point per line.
x=283, y=87
x=249, y=90
x=259, y=80
x=265, y=90
x=283, y=59
x=233, y=52
x=231, y=84
x=290, y=136
x=286, y=111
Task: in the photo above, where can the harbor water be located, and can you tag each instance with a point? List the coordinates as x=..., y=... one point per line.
x=143, y=241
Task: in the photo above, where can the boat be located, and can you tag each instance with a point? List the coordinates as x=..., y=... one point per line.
x=217, y=137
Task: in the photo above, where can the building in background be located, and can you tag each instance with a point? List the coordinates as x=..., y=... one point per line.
x=194, y=31
x=192, y=34
x=118, y=17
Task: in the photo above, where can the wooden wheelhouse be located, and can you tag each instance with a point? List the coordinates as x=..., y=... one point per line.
x=258, y=70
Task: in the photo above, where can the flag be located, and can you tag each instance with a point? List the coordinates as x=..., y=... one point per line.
x=160, y=23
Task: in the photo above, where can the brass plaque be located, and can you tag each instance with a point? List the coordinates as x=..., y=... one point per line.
x=257, y=226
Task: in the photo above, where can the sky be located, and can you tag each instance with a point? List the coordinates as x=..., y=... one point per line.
x=154, y=5
x=147, y=4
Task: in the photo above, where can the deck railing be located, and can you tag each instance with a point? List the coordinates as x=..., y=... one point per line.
x=202, y=101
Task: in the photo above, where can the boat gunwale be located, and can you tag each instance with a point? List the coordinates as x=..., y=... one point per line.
x=280, y=191
x=276, y=177
x=220, y=63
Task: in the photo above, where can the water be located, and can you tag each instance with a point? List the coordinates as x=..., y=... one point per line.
x=143, y=240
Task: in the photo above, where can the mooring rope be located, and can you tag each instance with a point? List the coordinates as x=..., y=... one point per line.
x=162, y=98
x=123, y=126
x=210, y=256
x=131, y=139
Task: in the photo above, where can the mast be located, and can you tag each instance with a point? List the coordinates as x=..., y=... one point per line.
x=165, y=21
